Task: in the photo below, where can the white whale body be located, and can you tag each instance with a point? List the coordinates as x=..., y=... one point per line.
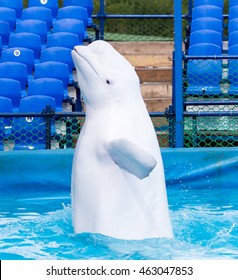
x=118, y=185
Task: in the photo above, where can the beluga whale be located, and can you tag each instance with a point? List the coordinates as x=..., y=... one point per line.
x=118, y=185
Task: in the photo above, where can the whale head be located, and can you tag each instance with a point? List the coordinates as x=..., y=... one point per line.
x=104, y=75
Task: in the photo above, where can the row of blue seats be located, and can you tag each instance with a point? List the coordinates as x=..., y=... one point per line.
x=205, y=75
x=11, y=89
x=71, y=21
x=32, y=41
x=53, y=5
x=27, y=132
x=233, y=46
x=218, y=3
x=55, y=62
x=207, y=23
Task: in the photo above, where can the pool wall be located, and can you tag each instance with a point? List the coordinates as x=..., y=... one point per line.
x=194, y=167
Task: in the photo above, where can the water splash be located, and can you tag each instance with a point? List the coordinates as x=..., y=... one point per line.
x=200, y=233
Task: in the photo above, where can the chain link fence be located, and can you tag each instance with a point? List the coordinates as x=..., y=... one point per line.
x=210, y=88
x=210, y=84
x=138, y=20
x=50, y=130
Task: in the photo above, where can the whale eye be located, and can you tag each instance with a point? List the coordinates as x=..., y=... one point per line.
x=108, y=82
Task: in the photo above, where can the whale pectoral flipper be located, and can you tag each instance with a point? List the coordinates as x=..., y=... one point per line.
x=132, y=158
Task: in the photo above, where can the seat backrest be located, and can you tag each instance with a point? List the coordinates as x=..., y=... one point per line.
x=232, y=25
x=204, y=49
x=232, y=39
x=49, y=87
x=204, y=71
x=88, y=4
x=8, y=15
x=232, y=3
x=63, y=39
x=19, y=54
x=0, y=44
x=35, y=26
x=27, y=40
x=30, y=132
x=233, y=12
x=4, y=32
x=16, y=5
x=233, y=50
x=207, y=23
x=53, y=69
x=60, y=54
x=207, y=11
x=51, y=4
x=206, y=36
x=11, y=89
x=219, y=3
x=5, y=104
x=233, y=65
x=75, y=12
x=40, y=13
x=16, y=71
x=70, y=25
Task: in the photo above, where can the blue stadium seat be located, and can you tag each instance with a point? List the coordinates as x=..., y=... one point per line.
x=0, y=45
x=59, y=54
x=11, y=89
x=219, y=3
x=72, y=25
x=204, y=49
x=63, y=39
x=233, y=12
x=51, y=4
x=207, y=23
x=204, y=75
x=232, y=25
x=30, y=132
x=35, y=26
x=75, y=12
x=233, y=70
x=49, y=87
x=233, y=38
x=207, y=11
x=88, y=4
x=19, y=54
x=54, y=69
x=16, y=71
x=40, y=13
x=27, y=40
x=5, y=107
x=8, y=15
x=4, y=33
x=206, y=36
x=232, y=3
x=16, y=5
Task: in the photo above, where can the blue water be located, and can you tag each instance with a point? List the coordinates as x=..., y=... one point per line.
x=38, y=226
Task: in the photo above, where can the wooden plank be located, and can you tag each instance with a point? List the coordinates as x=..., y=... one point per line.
x=150, y=60
x=160, y=74
x=156, y=90
x=157, y=105
x=144, y=48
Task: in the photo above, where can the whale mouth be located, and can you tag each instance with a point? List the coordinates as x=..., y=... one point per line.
x=84, y=55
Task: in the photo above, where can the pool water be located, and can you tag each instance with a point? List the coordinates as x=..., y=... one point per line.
x=38, y=225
